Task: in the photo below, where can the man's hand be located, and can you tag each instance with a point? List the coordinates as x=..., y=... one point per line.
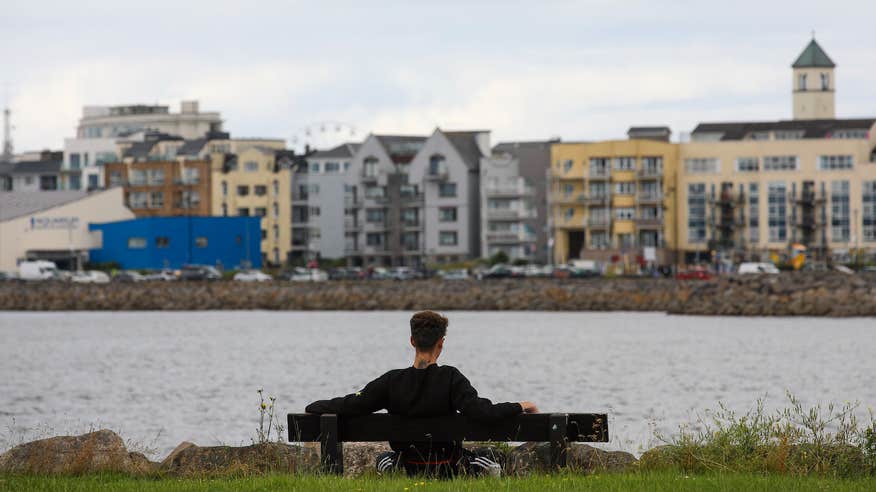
x=528, y=407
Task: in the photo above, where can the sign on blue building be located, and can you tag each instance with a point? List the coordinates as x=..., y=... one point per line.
x=171, y=242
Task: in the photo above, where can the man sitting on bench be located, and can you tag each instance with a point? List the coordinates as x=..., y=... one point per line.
x=426, y=390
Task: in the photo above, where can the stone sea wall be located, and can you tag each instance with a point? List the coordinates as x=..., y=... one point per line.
x=788, y=294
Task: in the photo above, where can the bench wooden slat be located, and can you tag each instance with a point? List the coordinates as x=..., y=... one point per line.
x=380, y=427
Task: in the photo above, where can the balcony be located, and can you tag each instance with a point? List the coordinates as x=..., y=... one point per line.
x=510, y=191
x=411, y=225
x=598, y=174
x=806, y=223
x=650, y=173
x=598, y=222
x=350, y=201
x=728, y=199
x=597, y=199
x=568, y=198
x=437, y=176
x=649, y=222
x=376, y=226
x=808, y=198
x=352, y=249
x=351, y=225
x=299, y=198
x=509, y=237
x=368, y=177
x=650, y=198
x=411, y=197
x=510, y=214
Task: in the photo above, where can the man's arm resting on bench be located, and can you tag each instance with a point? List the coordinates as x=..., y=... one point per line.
x=371, y=399
x=468, y=403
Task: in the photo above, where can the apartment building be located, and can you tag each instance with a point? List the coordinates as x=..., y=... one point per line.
x=614, y=200
x=319, y=187
x=102, y=128
x=514, y=201
x=752, y=189
x=40, y=171
x=256, y=182
x=383, y=222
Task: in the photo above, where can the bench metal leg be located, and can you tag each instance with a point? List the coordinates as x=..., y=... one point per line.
x=331, y=449
x=558, y=423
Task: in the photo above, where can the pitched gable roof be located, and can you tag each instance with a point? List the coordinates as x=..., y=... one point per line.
x=466, y=144
x=401, y=148
x=813, y=56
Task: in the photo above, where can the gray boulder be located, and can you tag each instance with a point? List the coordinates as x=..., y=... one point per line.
x=239, y=461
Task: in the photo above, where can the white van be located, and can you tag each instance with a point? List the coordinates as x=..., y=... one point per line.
x=748, y=268
x=37, y=270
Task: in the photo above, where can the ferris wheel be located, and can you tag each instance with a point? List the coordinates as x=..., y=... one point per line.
x=323, y=135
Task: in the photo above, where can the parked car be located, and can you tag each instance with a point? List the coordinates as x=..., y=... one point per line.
x=379, y=273
x=162, y=275
x=585, y=268
x=299, y=274
x=697, y=274
x=128, y=276
x=90, y=277
x=8, y=276
x=252, y=276
x=457, y=274
x=199, y=272
x=38, y=270
x=403, y=273
x=498, y=270
x=750, y=268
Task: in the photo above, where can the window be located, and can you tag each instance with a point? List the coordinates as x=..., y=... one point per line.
x=625, y=163
x=48, y=183
x=758, y=136
x=599, y=240
x=201, y=242
x=598, y=190
x=825, y=81
x=839, y=211
x=409, y=216
x=225, y=188
x=777, y=202
x=137, y=177
x=102, y=158
x=369, y=167
x=850, y=134
x=156, y=199
x=276, y=232
x=568, y=189
x=696, y=213
x=191, y=175
x=74, y=161
x=156, y=177
x=259, y=190
x=747, y=164
x=275, y=210
x=652, y=165
x=626, y=188
x=410, y=241
x=789, y=134
x=264, y=234
x=313, y=189
x=92, y=181
x=447, y=214
x=75, y=182
x=599, y=166
x=569, y=213
x=567, y=165
x=261, y=211
x=801, y=82
x=374, y=239
x=624, y=213
x=242, y=190
x=868, y=196
x=332, y=167
x=243, y=212
x=138, y=199
x=225, y=210
x=375, y=192
x=314, y=167
x=115, y=178
x=314, y=211
x=447, y=190
x=702, y=165
x=276, y=187
x=447, y=238
x=831, y=162
x=346, y=166
x=753, y=213
x=780, y=163
x=437, y=165
x=136, y=242
x=251, y=166
x=162, y=242
x=375, y=215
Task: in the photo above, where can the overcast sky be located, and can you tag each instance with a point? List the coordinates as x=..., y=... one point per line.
x=525, y=70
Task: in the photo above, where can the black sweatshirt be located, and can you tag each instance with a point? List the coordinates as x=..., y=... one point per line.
x=431, y=392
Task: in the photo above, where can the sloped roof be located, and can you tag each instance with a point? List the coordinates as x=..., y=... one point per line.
x=813, y=56
x=341, y=151
x=18, y=203
x=810, y=128
x=467, y=146
x=192, y=147
x=36, y=167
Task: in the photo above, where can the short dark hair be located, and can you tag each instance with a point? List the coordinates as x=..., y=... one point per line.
x=427, y=327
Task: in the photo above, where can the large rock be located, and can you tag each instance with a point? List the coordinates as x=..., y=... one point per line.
x=98, y=451
x=360, y=457
x=247, y=460
x=535, y=457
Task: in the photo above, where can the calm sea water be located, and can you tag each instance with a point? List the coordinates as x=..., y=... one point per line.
x=167, y=377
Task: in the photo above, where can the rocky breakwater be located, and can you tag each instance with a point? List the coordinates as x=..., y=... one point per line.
x=788, y=294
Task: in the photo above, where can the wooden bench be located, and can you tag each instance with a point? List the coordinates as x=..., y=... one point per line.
x=331, y=431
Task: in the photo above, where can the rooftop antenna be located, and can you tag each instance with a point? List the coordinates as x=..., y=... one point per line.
x=7, y=130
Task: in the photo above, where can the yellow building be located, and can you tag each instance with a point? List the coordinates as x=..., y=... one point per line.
x=254, y=182
x=614, y=200
x=750, y=190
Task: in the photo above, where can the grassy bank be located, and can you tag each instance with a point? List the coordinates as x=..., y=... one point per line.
x=608, y=482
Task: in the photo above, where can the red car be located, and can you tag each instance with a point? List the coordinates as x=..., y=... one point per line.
x=694, y=275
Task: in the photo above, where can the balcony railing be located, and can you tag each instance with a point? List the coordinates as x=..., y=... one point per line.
x=649, y=173
x=510, y=237
x=596, y=199
x=437, y=176
x=352, y=225
x=512, y=214
x=368, y=177
x=568, y=197
x=510, y=191
x=598, y=221
x=350, y=201
x=649, y=221
x=649, y=197
x=599, y=173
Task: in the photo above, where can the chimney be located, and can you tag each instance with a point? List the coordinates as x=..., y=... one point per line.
x=189, y=107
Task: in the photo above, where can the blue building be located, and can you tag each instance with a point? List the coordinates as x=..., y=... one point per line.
x=171, y=242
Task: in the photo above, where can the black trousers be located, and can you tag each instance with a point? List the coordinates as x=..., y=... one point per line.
x=476, y=462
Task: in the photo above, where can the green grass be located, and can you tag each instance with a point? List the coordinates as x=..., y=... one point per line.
x=609, y=482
